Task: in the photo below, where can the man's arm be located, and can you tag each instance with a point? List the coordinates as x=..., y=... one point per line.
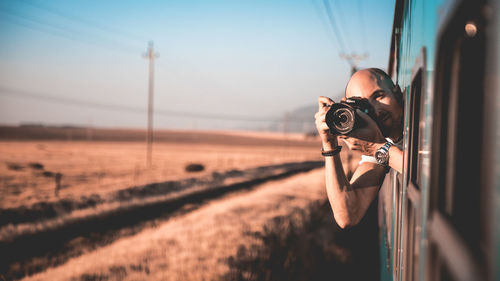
x=395, y=153
x=396, y=158
x=349, y=200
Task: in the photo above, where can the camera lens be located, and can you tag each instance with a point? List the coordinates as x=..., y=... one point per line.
x=343, y=120
x=340, y=118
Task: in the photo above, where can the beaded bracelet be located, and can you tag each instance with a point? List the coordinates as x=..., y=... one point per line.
x=333, y=152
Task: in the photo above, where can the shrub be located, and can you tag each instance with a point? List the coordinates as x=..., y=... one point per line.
x=36, y=166
x=194, y=167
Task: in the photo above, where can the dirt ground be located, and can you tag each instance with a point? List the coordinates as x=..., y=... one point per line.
x=194, y=246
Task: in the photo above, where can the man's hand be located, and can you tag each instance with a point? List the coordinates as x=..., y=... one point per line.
x=366, y=139
x=329, y=141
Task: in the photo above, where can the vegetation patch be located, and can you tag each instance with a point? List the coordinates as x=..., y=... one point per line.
x=307, y=245
x=14, y=166
x=35, y=166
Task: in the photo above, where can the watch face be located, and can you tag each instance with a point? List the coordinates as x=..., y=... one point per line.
x=381, y=157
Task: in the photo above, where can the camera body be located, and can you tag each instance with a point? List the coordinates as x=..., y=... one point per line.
x=342, y=118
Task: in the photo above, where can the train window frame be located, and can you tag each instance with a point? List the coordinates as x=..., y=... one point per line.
x=417, y=87
x=396, y=206
x=413, y=167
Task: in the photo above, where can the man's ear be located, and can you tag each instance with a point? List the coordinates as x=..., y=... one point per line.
x=397, y=89
x=398, y=94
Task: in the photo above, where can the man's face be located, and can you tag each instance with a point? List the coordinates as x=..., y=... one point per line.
x=379, y=92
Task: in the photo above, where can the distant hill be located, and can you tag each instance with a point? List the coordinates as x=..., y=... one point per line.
x=300, y=120
x=75, y=133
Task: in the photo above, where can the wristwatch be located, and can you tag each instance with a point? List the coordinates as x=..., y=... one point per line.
x=382, y=154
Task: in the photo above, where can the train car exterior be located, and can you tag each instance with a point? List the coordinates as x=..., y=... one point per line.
x=440, y=218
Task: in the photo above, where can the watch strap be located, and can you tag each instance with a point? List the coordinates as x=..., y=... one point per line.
x=386, y=146
x=385, y=151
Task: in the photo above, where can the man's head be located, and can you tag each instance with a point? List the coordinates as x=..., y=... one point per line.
x=377, y=87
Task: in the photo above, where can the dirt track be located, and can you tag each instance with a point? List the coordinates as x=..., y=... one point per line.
x=193, y=246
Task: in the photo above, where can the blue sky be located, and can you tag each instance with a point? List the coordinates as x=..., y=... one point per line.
x=248, y=59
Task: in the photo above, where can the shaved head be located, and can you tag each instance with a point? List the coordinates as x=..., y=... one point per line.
x=376, y=86
x=376, y=75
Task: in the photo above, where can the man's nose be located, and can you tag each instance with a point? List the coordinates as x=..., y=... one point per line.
x=376, y=108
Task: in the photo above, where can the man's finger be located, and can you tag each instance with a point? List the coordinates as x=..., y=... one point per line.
x=324, y=127
x=324, y=103
x=347, y=140
x=320, y=116
x=347, y=143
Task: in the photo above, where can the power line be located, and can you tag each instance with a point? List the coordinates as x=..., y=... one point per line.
x=87, y=22
x=362, y=21
x=335, y=28
x=319, y=8
x=8, y=91
x=57, y=99
x=57, y=33
x=352, y=58
x=61, y=31
x=336, y=8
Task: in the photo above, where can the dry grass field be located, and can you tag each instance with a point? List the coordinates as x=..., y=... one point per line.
x=28, y=168
x=208, y=240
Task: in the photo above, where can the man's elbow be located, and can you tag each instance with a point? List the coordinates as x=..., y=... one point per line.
x=345, y=221
x=344, y=224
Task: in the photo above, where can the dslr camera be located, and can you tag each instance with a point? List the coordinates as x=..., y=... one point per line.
x=342, y=118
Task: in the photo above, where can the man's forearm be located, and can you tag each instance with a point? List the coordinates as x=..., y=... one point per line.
x=396, y=158
x=350, y=200
x=336, y=188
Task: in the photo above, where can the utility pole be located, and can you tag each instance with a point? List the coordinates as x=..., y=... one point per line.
x=286, y=120
x=353, y=60
x=150, y=55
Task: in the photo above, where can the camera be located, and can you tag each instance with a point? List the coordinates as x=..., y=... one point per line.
x=342, y=118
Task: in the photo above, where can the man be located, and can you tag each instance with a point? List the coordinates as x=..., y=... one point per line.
x=350, y=200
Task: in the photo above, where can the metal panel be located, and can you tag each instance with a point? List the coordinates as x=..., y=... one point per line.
x=452, y=249
x=413, y=194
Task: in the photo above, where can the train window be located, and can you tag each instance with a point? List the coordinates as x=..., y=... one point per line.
x=413, y=141
x=459, y=193
x=465, y=178
x=458, y=123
